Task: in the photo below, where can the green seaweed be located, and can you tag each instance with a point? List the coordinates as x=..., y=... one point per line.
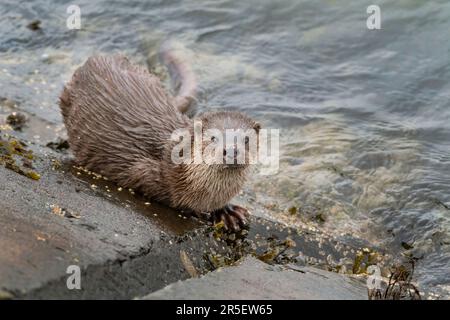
x=12, y=150
x=5, y=295
x=16, y=120
x=363, y=259
x=277, y=251
x=293, y=210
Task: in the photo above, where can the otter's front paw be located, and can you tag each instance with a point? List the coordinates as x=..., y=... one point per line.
x=234, y=217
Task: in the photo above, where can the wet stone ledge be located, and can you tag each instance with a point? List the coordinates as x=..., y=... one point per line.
x=254, y=279
x=126, y=246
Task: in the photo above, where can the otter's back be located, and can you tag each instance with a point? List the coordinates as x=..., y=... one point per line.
x=115, y=110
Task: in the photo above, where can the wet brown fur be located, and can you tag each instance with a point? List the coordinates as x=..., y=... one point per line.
x=119, y=120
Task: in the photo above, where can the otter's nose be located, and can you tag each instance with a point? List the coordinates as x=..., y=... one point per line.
x=230, y=154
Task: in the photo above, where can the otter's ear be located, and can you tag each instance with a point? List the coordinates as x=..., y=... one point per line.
x=257, y=126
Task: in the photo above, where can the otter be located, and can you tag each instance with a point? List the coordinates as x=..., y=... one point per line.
x=119, y=120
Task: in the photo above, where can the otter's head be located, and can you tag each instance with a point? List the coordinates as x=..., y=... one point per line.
x=229, y=140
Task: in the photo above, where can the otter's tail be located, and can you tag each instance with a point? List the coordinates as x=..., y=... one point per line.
x=174, y=57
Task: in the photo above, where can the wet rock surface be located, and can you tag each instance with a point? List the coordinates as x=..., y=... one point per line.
x=254, y=279
x=127, y=247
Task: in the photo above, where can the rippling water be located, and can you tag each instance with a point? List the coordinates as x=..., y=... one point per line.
x=364, y=115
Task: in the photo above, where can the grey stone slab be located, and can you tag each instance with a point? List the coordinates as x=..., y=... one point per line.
x=253, y=279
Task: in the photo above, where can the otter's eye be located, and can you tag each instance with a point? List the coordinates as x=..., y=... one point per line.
x=214, y=139
x=247, y=140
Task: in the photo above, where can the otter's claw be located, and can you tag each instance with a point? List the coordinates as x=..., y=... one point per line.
x=233, y=216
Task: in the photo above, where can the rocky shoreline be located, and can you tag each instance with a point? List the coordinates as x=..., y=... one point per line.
x=127, y=247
